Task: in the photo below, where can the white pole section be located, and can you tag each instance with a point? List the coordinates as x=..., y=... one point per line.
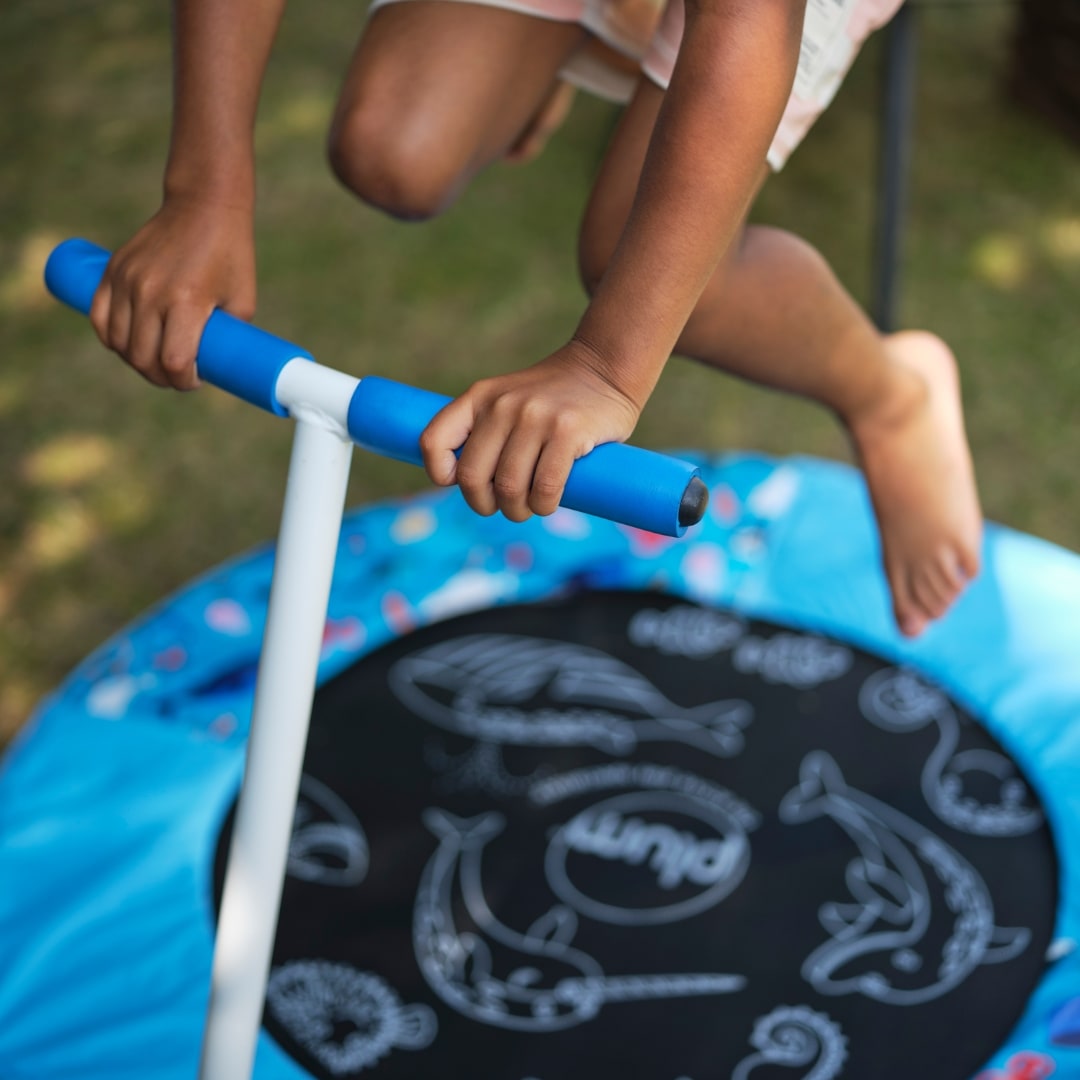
x=299, y=594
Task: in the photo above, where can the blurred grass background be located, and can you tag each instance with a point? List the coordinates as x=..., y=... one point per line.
x=114, y=495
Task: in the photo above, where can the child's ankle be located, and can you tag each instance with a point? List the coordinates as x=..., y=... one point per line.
x=902, y=394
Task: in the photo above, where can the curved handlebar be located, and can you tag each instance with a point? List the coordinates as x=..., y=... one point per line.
x=638, y=487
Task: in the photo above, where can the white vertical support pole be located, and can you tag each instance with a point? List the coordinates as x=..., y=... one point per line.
x=299, y=594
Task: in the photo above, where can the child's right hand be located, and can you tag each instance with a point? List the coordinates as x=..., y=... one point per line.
x=162, y=285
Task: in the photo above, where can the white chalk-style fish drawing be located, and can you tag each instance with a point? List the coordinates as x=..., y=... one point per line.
x=347, y=1019
x=802, y=661
x=898, y=700
x=528, y=691
x=901, y=869
x=534, y=981
x=794, y=1036
x=685, y=630
x=328, y=845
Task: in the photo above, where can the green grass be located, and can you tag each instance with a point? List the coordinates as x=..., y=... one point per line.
x=115, y=495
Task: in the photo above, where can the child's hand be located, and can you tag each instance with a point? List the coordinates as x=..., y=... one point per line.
x=162, y=285
x=522, y=432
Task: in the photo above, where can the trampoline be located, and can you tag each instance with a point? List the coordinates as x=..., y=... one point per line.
x=578, y=800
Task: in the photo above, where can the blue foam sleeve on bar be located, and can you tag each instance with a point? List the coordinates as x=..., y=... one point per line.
x=233, y=355
x=623, y=483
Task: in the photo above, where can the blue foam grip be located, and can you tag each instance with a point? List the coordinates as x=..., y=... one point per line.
x=623, y=483
x=233, y=355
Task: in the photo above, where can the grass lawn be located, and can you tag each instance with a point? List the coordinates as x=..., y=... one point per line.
x=115, y=495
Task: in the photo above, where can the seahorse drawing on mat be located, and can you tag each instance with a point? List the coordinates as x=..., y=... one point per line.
x=897, y=700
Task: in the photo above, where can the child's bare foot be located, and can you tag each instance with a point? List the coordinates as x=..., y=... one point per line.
x=915, y=456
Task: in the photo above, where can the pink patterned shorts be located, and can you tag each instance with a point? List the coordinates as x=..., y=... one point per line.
x=631, y=37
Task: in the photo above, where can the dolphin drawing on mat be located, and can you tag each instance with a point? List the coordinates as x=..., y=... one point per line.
x=533, y=981
x=893, y=904
x=530, y=691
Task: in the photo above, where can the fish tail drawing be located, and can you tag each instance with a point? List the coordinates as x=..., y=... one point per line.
x=716, y=727
x=466, y=832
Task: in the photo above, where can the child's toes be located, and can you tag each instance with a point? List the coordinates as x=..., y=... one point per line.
x=968, y=562
x=911, y=623
x=932, y=592
x=906, y=608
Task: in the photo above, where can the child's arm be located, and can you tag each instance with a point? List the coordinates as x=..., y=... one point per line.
x=727, y=94
x=197, y=252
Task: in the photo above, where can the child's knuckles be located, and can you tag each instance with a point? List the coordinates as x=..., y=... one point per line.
x=471, y=479
x=504, y=406
x=142, y=287
x=177, y=363
x=536, y=411
x=244, y=309
x=125, y=277
x=565, y=424
x=546, y=491
x=483, y=390
x=508, y=490
x=430, y=443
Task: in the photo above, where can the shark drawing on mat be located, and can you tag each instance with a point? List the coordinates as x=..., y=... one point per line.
x=528, y=691
x=533, y=981
x=902, y=870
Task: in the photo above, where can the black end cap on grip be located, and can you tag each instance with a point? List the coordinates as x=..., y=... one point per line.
x=694, y=501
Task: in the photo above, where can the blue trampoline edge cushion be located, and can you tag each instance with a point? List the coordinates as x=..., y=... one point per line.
x=111, y=803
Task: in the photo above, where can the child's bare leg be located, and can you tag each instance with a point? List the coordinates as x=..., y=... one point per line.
x=775, y=313
x=437, y=91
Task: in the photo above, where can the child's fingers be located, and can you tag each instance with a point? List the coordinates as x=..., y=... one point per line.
x=442, y=437
x=118, y=332
x=180, y=345
x=549, y=478
x=478, y=463
x=925, y=591
x=144, y=346
x=99, y=310
x=514, y=474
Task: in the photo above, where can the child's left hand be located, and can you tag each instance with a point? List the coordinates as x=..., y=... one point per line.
x=520, y=433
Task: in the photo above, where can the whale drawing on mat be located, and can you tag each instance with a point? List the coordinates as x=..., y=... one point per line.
x=530, y=691
x=904, y=881
x=535, y=980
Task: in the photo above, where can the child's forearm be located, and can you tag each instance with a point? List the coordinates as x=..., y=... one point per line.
x=727, y=94
x=221, y=49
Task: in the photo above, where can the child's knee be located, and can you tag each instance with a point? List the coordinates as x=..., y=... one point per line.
x=390, y=161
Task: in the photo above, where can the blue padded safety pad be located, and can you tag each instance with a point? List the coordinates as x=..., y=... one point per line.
x=113, y=796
